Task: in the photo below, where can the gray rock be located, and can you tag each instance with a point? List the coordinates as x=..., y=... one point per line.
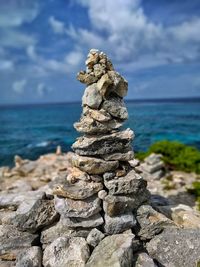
x=114, y=205
x=94, y=237
x=92, y=97
x=152, y=168
x=66, y=251
x=119, y=156
x=93, y=165
x=89, y=222
x=131, y=183
x=89, y=125
x=104, y=144
x=108, y=176
x=78, y=208
x=35, y=217
x=31, y=257
x=98, y=115
x=87, y=78
x=151, y=222
x=176, y=248
x=7, y=263
x=13, y=241
x=153, y=159
x=49, y=234
x=79, y=190
x=143, y=260
x=113, y=251
x=119, y=224
x=116, y=107
x=120, y=84
x=134, y=163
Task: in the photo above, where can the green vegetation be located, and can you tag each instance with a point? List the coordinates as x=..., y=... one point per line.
x=176, y=155
x=196, y=191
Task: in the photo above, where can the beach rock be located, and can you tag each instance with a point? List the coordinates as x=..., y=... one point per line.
x=94, y=237
x=119, y=156
x=119, y=223
x=143, y=260
x=112, y=251
x=104, y=85
x=59, y=229
x=92, y=59
x=120, y=84
x=151, y=222
x=176, y=247
x=153, y=159
x=92, y=97
x=86, y=78
x=35, y=217
x=102, y=194
x=131, y=183
x=115, y=205
x=98, y=115
x=90, y=222
x=78, y=208
x=134, y=162
x=31, y=257
x=7, y=263
x=13, y=241
x=89, y=125
x=104, y=144
x=99, y=70
x=116, y=107
x=66, y=251
x=79, y=190
x=93, y=165
x=152, y=168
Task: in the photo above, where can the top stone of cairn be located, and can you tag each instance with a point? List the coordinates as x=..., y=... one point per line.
x=103, y=106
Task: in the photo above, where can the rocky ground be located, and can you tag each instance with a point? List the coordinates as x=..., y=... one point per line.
x=31, y=229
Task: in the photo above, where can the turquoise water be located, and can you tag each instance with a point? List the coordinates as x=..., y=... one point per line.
x=30, y=131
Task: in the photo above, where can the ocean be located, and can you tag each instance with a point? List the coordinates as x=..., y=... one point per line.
x=33, y=130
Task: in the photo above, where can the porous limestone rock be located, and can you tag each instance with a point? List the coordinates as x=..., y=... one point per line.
x=144, y=260
x=120, y=84
x=31, y=257
x=94, y=237
x=92, y=97
x=116, y=107
x=176, y=247
x=98, y=115
x=90, y=222
x=66, y=251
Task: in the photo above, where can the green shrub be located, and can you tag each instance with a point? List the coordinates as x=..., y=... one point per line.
x=176, y=155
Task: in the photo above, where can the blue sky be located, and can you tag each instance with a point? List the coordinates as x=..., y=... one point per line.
x=154, y=44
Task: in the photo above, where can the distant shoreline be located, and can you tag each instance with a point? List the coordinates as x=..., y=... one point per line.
x=147, y=100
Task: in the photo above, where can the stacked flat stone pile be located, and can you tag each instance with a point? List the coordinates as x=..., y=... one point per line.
x=102, y=190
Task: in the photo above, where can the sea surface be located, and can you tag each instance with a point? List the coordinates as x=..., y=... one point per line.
x=33, y=130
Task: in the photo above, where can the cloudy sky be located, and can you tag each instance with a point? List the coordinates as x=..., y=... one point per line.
x=154, y=44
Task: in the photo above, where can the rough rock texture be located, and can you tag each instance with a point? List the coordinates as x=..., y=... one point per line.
x=176, y=248
x=31, y=257
x=66, y=251
x=115, y=250
x=143, y=260
x=94, y=237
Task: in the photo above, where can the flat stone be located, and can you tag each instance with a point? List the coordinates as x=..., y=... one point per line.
x=119, y=224
x=89, y=222
x=78, y=208
x=153, y=159
x=104, y=85
x=98, y=115
x=176, y=247
x=116, y=107
x=151, y=222
x=115, y=205
x=93, y=165
x=31, y=257
x=94, y=237
x=66, y=251
x=89, y=125
x=7, y=263
x=79, y=190
x=120, y=84
x=104, y=144
x=86, y=78
x=92, y=97
x=143, y=260
x=113, y=251
x=13, y=241
x=131, y=183
x=152, y=168
x=119, y=156
x=59, y=229
x=32, y=219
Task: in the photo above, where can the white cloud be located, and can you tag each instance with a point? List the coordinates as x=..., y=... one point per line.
x=6, y=65
x=56, y=25
x=19, y=86
x=74, y=58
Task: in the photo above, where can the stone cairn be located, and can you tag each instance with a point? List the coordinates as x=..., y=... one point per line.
x=102, y=190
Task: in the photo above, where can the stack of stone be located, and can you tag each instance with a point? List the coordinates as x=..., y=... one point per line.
x=101, y=190
x=153, y=167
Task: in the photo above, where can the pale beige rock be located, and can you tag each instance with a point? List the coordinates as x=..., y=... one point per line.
x=93, y=165
x=92, y=97
x=104, y=85
x=119, y=156
x=98, y=115
x=86, y=78
x=120, y=84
